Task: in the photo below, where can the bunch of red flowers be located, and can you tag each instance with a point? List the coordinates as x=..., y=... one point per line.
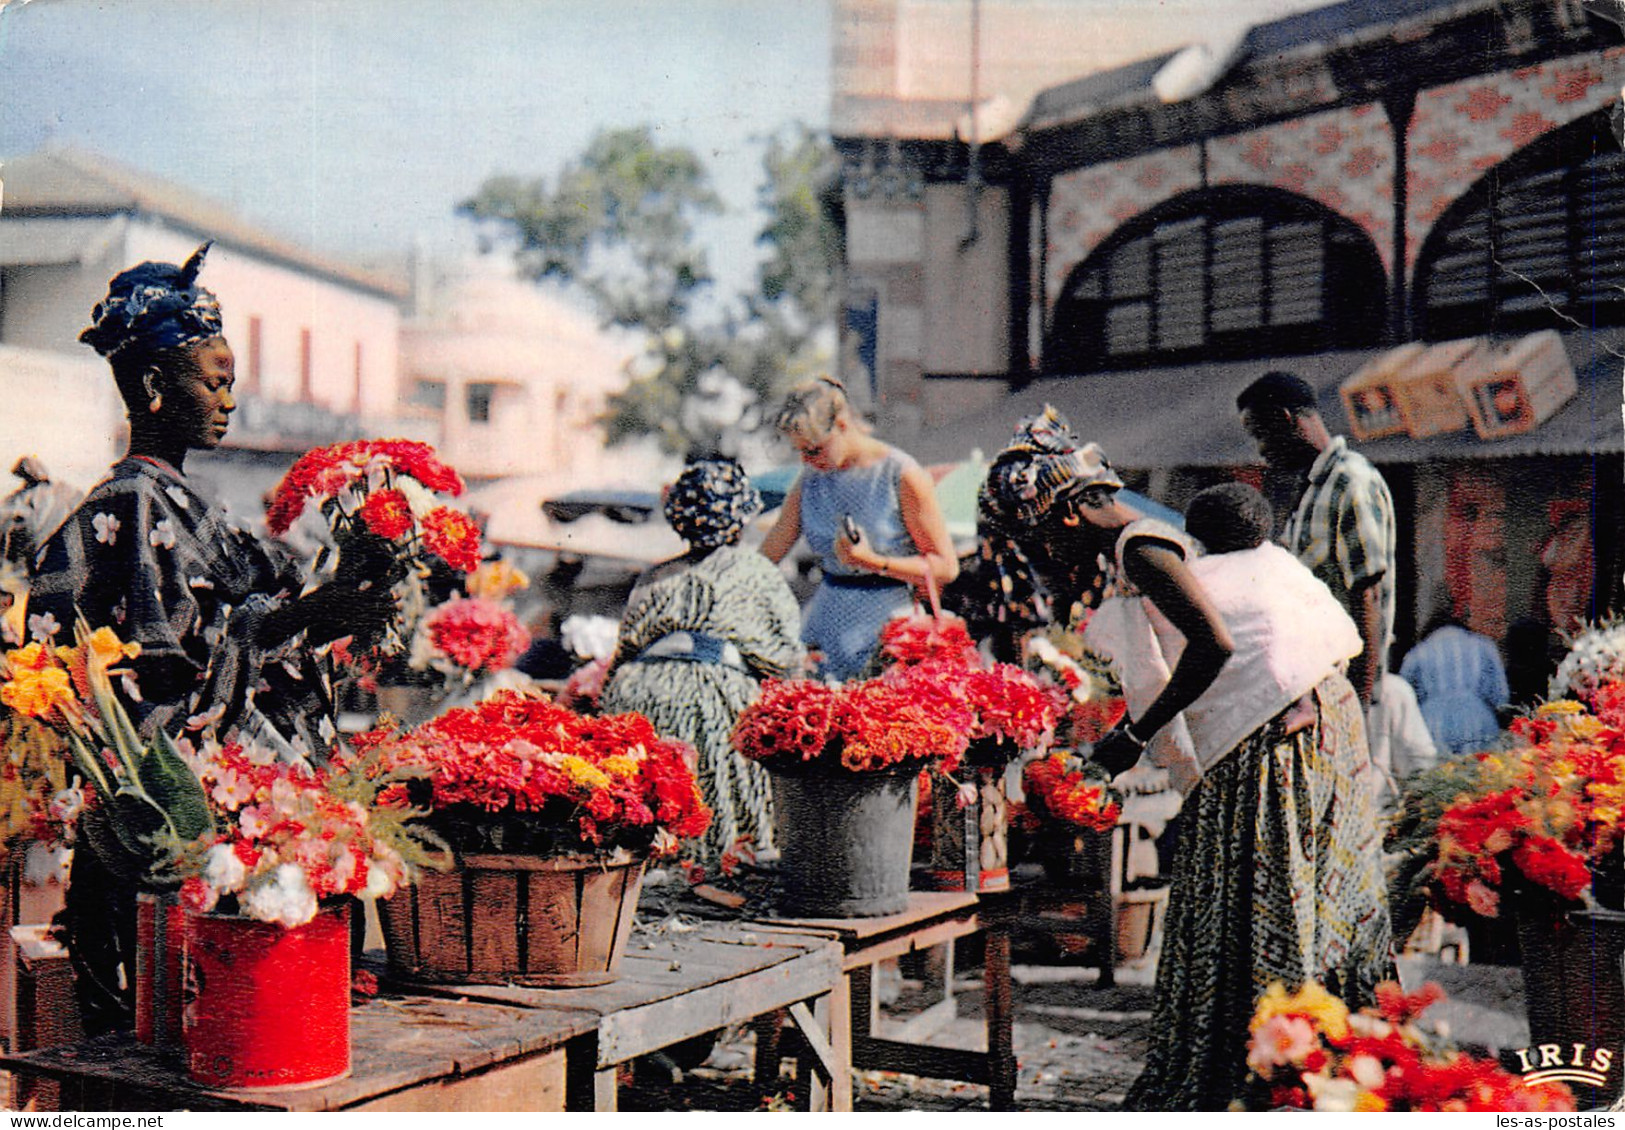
x=911, y=640
x=520, y=773
x=476, y=634
x=1064, y=787
x=386, y=488
x=1308, y=1052
x=859, y=726
x=1000, y=710
x=1539, y=815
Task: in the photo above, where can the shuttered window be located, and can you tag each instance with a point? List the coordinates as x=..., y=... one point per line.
x=1228, y=272
x=1539, y=242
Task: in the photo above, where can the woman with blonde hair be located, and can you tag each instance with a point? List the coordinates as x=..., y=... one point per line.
x=869, y=512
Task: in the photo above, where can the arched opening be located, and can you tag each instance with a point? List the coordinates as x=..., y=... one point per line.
x=1538, y=242
x=1234, y=272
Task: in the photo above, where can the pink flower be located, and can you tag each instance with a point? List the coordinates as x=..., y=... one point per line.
x=1281, y=1041
x=1484, y=901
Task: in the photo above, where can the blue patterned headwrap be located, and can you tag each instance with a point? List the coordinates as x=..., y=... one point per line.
x=710, y=503
x=157, y=305
x=1044, y=462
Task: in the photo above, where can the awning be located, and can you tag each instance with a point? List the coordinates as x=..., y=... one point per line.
x=42, y=241
x=1185, y=416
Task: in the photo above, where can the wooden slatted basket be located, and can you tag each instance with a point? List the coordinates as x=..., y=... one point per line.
x=514, y=920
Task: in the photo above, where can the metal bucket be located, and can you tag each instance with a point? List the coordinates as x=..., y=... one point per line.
x=267, y=1007
x=846, y=841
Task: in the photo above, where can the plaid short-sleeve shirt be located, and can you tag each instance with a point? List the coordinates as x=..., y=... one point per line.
x=1343, y=530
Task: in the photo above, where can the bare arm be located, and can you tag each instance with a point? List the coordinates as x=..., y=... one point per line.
x=923, y=519
x=1368, y=619
x=787, y=530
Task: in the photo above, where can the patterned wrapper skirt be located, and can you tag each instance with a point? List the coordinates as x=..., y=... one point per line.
x=1277, y=876
x=698, y=703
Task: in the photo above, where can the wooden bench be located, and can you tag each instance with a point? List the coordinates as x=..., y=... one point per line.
x=408, y=1053
x=676, y=986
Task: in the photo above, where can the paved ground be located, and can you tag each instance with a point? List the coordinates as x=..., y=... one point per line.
x=1079, y=1045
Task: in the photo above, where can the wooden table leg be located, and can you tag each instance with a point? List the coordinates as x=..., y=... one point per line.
x=606, y=1089
x=769, y=1029
x=840, y=1042
x=581, y=1073
x=1001, y=1052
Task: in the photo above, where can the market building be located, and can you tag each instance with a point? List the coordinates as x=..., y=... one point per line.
x=1309, y=194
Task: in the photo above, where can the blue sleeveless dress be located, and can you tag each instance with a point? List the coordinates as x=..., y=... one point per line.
x=844, y=617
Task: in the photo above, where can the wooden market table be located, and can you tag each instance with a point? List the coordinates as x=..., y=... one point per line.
x=932, y=919
x=474, y=1048
x=675, y=986
x=408, y=1053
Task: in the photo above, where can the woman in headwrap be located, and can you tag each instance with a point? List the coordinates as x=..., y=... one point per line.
x=1026, y=575
x=1229, y=663
x=872, y=571
x=699, y=633
x=225, y=638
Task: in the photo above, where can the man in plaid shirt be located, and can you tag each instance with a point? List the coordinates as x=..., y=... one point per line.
x=1343, y=525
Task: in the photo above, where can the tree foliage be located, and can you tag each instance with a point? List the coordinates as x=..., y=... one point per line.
x=620, y=221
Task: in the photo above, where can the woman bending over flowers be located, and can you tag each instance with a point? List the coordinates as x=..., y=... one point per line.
x=1277, y=873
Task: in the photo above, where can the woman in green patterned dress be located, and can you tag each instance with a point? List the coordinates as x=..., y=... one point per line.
x=699, y=632
x=1230, y=668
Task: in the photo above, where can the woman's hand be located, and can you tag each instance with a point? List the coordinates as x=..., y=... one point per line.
x=855, y=553
x=1118, y=749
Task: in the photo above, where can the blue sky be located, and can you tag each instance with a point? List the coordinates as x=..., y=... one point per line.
x=352, y=125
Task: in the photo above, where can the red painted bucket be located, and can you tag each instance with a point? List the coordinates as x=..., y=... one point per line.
x=267, y=1007
x=160, y=948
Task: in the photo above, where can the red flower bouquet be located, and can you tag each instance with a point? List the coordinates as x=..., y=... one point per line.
x=1066, y=788
x=802, y=724
x=383, y=503
x=474, y=636
x=912, y=640
x=1001, y=711
x=522, y=774
x=1308, y=1052
x=1539, y=818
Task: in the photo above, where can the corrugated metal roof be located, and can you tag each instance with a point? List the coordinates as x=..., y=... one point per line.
x=1185, y=416
x=62, y=181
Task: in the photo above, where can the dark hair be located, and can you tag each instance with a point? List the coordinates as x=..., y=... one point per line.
x=1276, y=389
x=1229, y=517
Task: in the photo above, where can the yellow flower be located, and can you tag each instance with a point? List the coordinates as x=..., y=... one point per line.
x=1585, y=726
x=1330, y=1015
x=583, y=772
x=620, y=765
x=1559, y=706
x=105, y=649
x=494, y=580
x=35, y=683
x=1367, y=1103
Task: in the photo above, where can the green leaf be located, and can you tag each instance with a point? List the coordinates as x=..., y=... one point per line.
x=175, y=789
x=137, y=822
x=89, y=764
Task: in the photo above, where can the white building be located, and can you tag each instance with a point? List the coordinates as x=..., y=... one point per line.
x=514, y=380
x=317, y=341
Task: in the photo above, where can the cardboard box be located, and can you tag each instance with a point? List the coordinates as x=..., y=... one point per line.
x=1429, y=399
x=1521, y=387
x=1370, y=399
